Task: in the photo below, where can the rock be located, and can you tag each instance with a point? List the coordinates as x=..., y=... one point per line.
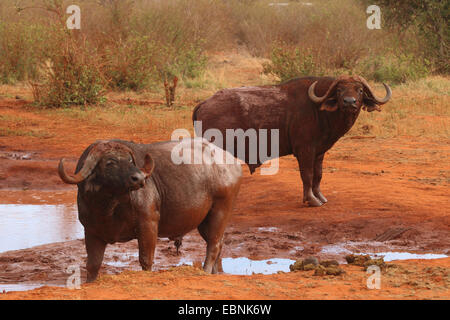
x=375, y=262
x=329, y=263
x=311, y=260
x=331, y=271
x=309, y=267
x=365, y=261
x=327, y=267
x=297, y=265
x=334, y=270
x=320, y=271
x=357, y=260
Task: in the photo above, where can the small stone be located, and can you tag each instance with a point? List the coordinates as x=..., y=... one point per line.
x=375, y=262
x=311, y=260
x=320, y=271
x=334, y=271
x=297, y=265
x=328, y=263
x=358, y=260
x=309, y=267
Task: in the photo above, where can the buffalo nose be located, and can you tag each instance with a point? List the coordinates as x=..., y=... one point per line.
x=137, y=179
x=349, y=100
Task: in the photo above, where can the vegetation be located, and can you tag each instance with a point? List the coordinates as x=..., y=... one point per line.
x=137, y=45
x=425, y=23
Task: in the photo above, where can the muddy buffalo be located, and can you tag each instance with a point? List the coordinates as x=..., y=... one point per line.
x=135, y=191
x=310, y=114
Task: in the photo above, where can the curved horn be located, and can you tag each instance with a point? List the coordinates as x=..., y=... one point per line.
x=317, y=99
x=313, y=96
x=375, y=98
x=86, y=170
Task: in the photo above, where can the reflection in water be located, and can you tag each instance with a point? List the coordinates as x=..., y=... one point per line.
x=18, y=287
x=24, y=286
x=392, y=256
x=245, y=266
x=25, y=226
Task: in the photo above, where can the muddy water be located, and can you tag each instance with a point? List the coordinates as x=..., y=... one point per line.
x=21, y=287
x=245, y=266
x=393, y=256
x=26, y=226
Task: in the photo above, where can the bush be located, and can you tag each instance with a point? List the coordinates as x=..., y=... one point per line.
x=395, y=69
x=22, y=47
x=70, y=75
x=427, y=20
x=142, y=63
x=131, y=65
x=287, y=63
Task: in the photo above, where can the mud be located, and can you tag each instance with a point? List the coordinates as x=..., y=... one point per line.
x=385, y=195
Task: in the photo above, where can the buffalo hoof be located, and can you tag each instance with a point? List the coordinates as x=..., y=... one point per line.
x=313, y=202
x=321, y=198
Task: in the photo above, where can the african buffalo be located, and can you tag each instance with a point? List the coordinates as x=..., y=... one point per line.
x=311, y=114
x=128, y=191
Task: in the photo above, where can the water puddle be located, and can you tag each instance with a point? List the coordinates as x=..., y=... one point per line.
x=245, y=266
x=268, y=229
x=8, y=287
x=392, y=256
x=18, y=287
x=25, y=226
x=371, y=248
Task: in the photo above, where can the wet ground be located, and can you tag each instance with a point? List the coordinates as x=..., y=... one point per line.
x=41, y=237
x=385, y=196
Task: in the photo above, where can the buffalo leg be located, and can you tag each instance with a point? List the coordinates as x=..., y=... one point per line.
x=147, y=237
x=306, y=164
x=218, y=264
x=212, y=229
x=317, y=178
x=95, y=249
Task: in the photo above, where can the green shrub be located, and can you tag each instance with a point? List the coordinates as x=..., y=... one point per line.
x=132, y=64
x=395, y=69
x=142, y=63
x=427, y=21
x=22, y=47
x=70, y=75
x=287, y=63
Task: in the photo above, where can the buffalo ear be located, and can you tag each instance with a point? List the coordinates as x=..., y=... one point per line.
x=149, y=165
x=329, y=105
x=370, y=104
x=90, y=184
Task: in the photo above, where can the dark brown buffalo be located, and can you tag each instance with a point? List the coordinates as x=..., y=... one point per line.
x=128, y=191
x=311, y=114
